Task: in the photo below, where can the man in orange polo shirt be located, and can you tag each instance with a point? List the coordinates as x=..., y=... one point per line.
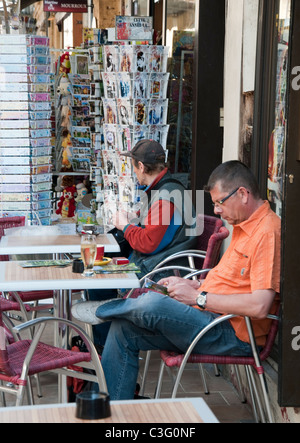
x=247, y=279
x=245, y=282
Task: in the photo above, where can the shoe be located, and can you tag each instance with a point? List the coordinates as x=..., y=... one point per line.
x=86, y=311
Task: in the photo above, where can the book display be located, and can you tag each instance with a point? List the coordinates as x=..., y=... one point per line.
x=25, y=128
x=135, y=107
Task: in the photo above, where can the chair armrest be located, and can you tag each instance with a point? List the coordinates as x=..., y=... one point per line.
x=197, y=272
x=183, y=254
x=166, y=268
x=41, y=322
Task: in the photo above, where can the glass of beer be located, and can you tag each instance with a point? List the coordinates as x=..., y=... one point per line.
x=88, y=253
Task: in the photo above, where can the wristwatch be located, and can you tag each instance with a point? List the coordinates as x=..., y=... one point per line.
x=201, y=300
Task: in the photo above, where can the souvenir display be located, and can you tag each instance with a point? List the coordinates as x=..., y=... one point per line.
x=134, y=108
x=25, y=135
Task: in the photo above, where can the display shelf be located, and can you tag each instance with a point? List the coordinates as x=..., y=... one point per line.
x=135, y=107
x=25, y=148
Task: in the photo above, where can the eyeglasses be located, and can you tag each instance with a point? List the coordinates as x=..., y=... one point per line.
x=220, y=202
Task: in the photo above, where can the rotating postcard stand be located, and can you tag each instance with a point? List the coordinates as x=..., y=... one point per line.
x=135, y=107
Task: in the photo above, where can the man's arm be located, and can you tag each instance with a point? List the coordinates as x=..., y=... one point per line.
x=149, y=238
x=256, y=305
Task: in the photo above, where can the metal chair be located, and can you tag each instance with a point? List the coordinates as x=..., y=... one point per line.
x=170, y=359
x=21, y=359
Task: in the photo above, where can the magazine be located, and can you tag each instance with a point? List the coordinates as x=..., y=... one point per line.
x=149, y=284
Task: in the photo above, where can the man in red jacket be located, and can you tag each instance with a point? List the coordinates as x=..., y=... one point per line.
x=166, y=223
x=167, y=217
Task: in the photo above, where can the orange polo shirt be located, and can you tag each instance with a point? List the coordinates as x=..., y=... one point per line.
x=251, y=262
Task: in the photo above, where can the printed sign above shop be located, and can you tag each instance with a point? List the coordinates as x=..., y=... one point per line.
x=134, y=28
x=65, y=5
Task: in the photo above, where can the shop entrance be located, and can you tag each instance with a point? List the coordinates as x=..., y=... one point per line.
x=276, y=162
x=289, y=343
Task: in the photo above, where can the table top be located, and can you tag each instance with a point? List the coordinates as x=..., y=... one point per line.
x=15, y=278
x=191, y=410
x=51, y=244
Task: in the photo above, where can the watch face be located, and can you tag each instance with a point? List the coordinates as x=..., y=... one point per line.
x=201, y=300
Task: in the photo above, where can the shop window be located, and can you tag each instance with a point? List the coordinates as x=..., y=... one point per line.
x=180, y=38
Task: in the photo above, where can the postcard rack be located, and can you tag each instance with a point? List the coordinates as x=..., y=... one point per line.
x=135, y=107
x=25, y=128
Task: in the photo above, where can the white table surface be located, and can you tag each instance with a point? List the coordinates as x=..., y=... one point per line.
x=15, y=278
x=145, y=411
x=52, y=244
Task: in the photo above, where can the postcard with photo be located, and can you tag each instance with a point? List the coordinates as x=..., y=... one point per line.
x=124, y=138
x=124, y=85
x=110, y=111
x=95, y=107
x=109, y=84
x=111, y=58
x=139, y=132
x=125, y=166
x=80, y=100
x=110, y=188
x=81, y=132
x=94, y=72
x=158, y=85
x=110, y=162
x=124, y=111
x=77, y=79
x=80, y=89
x=111, y=137
x=82, y=63
x=158, y=111
x=110, y=208
x=141, y=58
x=158, y=58
x=126, y=190
x=81, y=165
x=95, y=55
x=159, y=133
x=95, y=91
x=141, y=111
x=140, y=85
x=126, y=58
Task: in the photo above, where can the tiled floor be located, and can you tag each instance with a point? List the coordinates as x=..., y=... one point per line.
x=223, y=398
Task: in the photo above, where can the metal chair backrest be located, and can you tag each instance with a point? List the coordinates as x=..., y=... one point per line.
x=210, y=241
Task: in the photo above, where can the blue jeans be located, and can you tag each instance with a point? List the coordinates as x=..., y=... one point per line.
x=156, y=322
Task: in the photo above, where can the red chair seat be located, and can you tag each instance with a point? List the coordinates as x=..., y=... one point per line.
x=45, y=358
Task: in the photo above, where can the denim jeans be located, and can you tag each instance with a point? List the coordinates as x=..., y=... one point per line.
x=156, y=322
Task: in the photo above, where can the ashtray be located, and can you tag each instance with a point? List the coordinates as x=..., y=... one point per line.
x=91, y=405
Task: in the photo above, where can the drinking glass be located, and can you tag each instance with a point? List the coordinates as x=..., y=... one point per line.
x=88, y=253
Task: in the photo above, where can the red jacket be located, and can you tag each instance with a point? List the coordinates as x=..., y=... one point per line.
x=147, y=239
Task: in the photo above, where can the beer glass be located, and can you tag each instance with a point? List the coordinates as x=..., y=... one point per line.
x=88, y=253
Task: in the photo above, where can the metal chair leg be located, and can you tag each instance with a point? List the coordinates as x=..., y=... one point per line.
x=145, y=373
x=253, y=403
x=159, y=381
x=240, y=388
x=256, y=396
x=217, y=372
x=202, y=374
x=3, y=400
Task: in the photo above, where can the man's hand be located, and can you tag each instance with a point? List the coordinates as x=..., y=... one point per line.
x=184, y=291
x=120, y=220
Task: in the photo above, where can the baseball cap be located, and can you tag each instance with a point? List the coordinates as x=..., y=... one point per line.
x=146, y=151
